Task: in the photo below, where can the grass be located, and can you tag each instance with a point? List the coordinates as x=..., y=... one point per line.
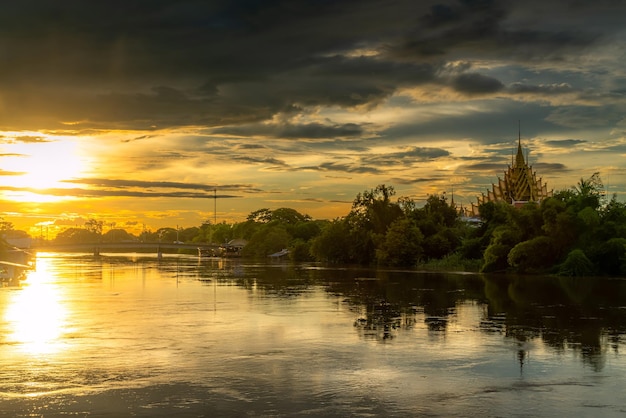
x=451, y=262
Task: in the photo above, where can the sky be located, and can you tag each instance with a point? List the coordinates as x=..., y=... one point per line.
x=150, y=113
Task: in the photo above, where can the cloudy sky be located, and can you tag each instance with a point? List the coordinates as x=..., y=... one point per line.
x=141, y=112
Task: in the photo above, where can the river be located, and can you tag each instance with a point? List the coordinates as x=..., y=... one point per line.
x=132, y=335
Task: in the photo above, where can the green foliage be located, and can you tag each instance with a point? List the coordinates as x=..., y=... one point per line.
x=437, y=246
x=270, y=231
x=266, y=241
x=452, y=262
x=471, y=248
x=589, y=217
x=373, y=209
x=261, y=216
x=610, y=257
x=300, y=250
x=588, y=193
x=439, y=211
x=532, y=255
x=333, y=243
x=576, y=264
x=495, y=258
x=246, y=229
x=402, y=245
x=307, y=230
x=288, y=216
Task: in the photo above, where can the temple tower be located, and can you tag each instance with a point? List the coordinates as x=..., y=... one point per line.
x=519, y=186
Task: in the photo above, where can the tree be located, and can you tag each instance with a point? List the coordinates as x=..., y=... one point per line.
x=576, y=264
x=610, y=257
x=261, y=216
x=504, y=238
x=288, y=216
x=5, y=226
x=402, y=245
x=118, y=235
x=75, y=236
x=439, y=211
x=333, y=244
x=94, y=226
x=267, y=240
x=373, y=209
x=589, y=192
x=532, y=255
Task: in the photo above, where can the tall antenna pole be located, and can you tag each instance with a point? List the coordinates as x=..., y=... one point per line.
x=215, y=206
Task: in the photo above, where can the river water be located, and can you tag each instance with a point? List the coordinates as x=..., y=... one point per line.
x=132, y=335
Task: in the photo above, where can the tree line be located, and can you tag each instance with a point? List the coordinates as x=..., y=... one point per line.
x=576, y=232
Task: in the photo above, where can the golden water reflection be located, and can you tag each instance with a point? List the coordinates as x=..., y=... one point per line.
x=36, y=315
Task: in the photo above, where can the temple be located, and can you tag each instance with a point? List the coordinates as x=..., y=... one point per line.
x=519, y=186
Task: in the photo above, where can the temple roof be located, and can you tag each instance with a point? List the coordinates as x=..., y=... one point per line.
x=519, y=185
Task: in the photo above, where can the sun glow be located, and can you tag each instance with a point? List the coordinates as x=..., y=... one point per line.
x=38, y=166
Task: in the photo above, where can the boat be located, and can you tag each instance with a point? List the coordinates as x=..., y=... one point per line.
x=282, y=253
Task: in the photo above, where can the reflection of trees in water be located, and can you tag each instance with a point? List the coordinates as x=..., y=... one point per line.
x=579, y=314
x=390, y=300
x=381, y=319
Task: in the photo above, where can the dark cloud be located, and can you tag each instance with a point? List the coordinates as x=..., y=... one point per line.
x=473, y=84
x=407, y=157
x=488, y=28
x=157, y=64
x=294, y=131
x=251, y=146
x=565, y=143
x=346, y=168
x=549, y=167
x=316, y=130
x=139, y=138
x=123, y=184
x=398, y=180
x=94, y=193
x=260, y=160
x=492, y=167
x=486, y=167
x=495, y=125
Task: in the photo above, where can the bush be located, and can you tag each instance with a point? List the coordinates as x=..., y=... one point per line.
x=576, y=264
x=532, y=255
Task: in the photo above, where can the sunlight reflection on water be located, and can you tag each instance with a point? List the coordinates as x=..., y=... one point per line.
x=36, y=315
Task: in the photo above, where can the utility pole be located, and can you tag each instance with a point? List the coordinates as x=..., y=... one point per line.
x=214, y=216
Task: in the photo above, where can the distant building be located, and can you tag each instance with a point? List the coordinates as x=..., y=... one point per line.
x=519, y=186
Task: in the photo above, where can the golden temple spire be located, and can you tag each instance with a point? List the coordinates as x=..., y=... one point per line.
x=519, y=185
x=519, y=158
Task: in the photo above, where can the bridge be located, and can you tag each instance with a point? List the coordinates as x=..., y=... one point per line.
x=126, y=246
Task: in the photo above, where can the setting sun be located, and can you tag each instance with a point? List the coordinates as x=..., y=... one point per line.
x=36, y=166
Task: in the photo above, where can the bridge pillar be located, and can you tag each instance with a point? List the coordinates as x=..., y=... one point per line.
x=159, y=253
x=96, y=251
